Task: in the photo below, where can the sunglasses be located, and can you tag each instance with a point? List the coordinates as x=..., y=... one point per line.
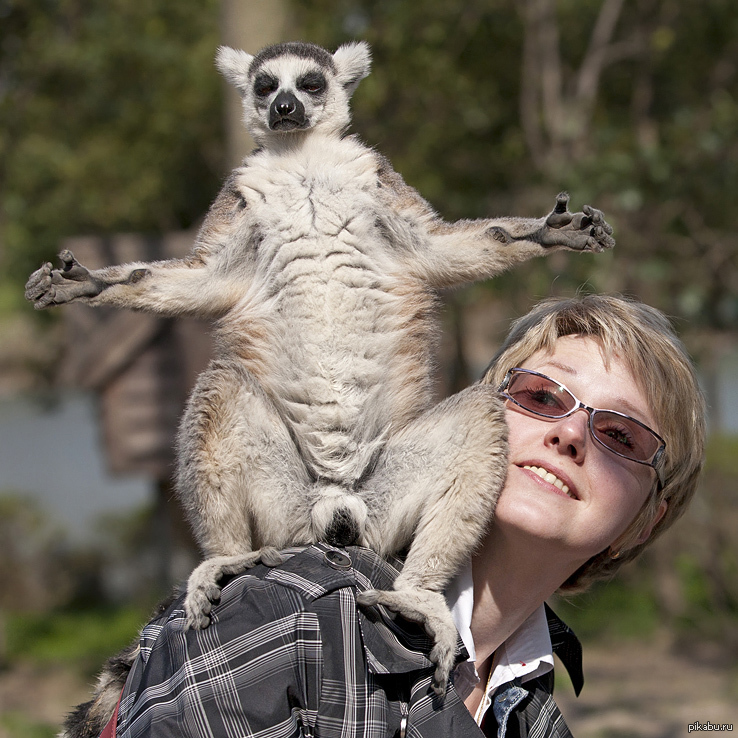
x=618, y=433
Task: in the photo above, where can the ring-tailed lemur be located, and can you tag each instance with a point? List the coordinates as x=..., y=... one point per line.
x=315, y=420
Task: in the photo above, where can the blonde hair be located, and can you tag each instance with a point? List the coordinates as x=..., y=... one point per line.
x=643, y=338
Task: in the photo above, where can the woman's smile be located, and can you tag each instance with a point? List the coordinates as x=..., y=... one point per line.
x=552, y=478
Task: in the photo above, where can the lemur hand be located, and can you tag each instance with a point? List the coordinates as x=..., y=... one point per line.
x=47, y=286
x=584, y=231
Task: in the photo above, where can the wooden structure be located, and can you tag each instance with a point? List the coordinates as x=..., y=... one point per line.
x=141, y=368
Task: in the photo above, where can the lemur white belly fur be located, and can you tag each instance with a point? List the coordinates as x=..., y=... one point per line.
x=333, y=301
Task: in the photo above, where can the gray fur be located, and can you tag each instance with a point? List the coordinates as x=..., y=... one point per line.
x=321, y=268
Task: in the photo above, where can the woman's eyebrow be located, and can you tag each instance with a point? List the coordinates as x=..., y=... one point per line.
x=563, y=367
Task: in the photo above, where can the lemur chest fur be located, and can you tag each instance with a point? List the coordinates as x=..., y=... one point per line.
x=315, y=213
x=330, y=288
x=320, y=250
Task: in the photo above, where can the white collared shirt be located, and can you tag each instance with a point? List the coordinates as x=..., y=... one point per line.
x=525, y=655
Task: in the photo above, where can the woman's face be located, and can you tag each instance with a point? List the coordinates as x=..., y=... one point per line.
x=605, y=491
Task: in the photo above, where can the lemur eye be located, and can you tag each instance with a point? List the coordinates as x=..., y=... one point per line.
x=312, y=83
x=264, y=86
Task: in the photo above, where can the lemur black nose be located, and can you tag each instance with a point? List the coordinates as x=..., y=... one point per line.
x=286, y=113
x=285, y=103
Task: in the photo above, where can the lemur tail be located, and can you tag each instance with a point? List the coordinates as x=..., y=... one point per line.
x=338, y=517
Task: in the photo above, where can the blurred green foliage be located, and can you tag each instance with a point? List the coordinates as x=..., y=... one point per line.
x=17, y=724
x=109, y=121
x=44, y=571
x=85, y=638
x=61, y=646
x=722, y=456
x=629, y=607
x=613, y=611
x=33, y=554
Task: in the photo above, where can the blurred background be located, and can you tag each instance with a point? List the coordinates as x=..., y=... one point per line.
x=115, y=134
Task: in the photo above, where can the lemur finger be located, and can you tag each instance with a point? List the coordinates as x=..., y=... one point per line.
x=199, y=605
x=444, y=663
x=394, y=601
x=212, y=597
x=271, y=557
x=197, y=622
x=38, y=283
x=560, y=215
x=594, y=212
x=71, y=268
x=598, y=218
x=46, y=299
x=599, y=244
x=562, y=202
x=67, y=257
x=606, y=226
x=606, y=241
x=581, y=221
x=43, y=271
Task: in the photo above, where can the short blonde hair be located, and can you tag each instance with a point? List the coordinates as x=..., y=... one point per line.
x=643, y=338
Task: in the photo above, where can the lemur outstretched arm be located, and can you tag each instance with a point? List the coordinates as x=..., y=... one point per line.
x=205, y=284
x=453, y=254
x=470, y=250
x=167, y=288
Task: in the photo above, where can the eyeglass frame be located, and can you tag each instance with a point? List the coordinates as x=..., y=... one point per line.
x=656, y=462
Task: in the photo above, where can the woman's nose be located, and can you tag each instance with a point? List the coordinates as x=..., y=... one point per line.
x=570, y=435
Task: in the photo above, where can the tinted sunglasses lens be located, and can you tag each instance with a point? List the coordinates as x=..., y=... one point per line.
x=624, y=436
x=540, y=395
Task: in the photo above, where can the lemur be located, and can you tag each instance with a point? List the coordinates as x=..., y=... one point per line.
x=315, y=419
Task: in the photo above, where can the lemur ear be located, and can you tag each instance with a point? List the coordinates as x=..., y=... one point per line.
x=234, y=65
x=353, y=63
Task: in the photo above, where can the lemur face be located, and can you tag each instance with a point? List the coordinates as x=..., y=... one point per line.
x=295, y=87
x=289, y=93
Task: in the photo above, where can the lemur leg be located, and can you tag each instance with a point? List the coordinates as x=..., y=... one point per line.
x=442, y=475
x=240, y=479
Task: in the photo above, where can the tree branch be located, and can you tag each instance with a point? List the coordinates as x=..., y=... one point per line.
x=597, y=55
x=529, y=91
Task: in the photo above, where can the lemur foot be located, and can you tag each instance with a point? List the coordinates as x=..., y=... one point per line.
x=430, y=609
x=203, y=586
x=585, y=231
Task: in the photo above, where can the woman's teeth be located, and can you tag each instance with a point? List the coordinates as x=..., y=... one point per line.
x=550, y=478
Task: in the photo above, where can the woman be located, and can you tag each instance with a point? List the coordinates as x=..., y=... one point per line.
x=288, y=653
x=586, y=491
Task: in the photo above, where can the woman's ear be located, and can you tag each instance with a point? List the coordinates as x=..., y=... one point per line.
x=646, y=532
